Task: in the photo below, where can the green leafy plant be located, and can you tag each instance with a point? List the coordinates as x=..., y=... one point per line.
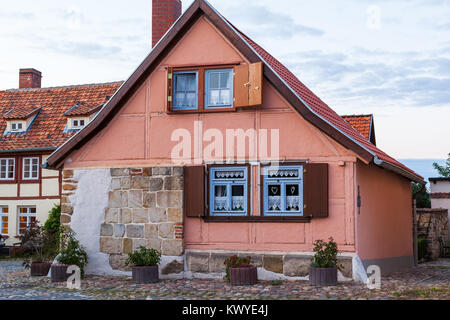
x=423, y=197
x=38, y=245
x=144, y=257
x=325, y=254
x=444, y=171
x=71, y=251
x=422, y=245
x=236, y=262
x=53, y=222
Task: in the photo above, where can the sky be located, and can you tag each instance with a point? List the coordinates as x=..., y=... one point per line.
x=390, y=58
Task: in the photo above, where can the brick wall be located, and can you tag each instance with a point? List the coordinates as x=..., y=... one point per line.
x=165, y=13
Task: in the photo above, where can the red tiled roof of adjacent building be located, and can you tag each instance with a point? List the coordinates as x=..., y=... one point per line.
x=84, y=109
x=362, y=123
x=17, y=113
x=47, y=130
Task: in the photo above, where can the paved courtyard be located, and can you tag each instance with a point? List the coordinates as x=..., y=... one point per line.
x=430, y=281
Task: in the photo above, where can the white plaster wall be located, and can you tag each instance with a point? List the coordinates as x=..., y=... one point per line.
x=29, y=189
x=50, y=187
x=89, y=203
x=8, y=190
x=440, y=186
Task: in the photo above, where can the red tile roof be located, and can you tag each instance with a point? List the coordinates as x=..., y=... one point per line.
x=318, y=106
x=362, y=123
x=47, y=130
x=17, y=113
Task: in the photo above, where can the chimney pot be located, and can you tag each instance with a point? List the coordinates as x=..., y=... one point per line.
x=164, y=15
x=29, y=78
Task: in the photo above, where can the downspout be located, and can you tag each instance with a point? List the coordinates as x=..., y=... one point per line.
x=415, y=244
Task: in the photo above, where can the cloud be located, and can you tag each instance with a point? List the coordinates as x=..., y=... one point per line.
x=17, y=15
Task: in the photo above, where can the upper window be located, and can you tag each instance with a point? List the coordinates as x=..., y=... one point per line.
x=30, y=168
x=16, y=126
x=7, y=168
x=283, y=191
x=185, y=90
x=219, y=88
x=27, y=216
x=78, y=123
x=228, y=188
x=4, y=221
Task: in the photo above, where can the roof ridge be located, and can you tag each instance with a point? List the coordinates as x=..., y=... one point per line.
x=63, y=87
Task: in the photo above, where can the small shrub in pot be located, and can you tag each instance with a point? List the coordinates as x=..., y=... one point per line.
x=240, y=271
x=324, y=265
x=144, y=264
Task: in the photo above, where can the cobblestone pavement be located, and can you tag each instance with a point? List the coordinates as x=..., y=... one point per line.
x=424, y=282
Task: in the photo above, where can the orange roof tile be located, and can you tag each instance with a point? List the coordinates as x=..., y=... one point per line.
x=362, y=123
x=47, y=130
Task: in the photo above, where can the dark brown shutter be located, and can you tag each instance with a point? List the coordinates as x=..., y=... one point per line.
x=315, y=190
x=248, y=81
x=169, y=88
x=194, y=191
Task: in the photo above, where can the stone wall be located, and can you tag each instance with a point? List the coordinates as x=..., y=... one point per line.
x=433, y=225
x=145, y=208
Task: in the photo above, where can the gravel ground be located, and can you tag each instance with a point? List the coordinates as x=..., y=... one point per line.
x=424, y=282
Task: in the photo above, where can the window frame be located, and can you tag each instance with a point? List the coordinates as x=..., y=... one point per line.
x=201, y=89
x=210, y=182
x=208, y=72
x=17, y=127
x=27, y=215
x=180, y=72
x=38, y=169
x=2, y=215
x=78, y=126
x=265, y=182
x=7, y=170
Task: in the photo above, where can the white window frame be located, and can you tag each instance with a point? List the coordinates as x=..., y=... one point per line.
x=208, y=89
x=7, y=169
x=78, y=121
x=3, y=214
x=27, y=215
x=16, y=125
x=30, y=177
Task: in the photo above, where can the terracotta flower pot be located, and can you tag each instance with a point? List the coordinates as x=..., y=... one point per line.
x=323, y=277
x=243, y=276
x=59, y=273
x=40, y=269
x=143, y=275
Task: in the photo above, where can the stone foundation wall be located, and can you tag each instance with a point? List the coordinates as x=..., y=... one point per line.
x=433, y=225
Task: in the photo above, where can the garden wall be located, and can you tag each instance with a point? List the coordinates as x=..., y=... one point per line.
x=433, y=225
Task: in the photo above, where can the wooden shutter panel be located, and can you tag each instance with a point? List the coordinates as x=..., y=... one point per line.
x=315, y=190
x=194, y=191
x=169, y=88
x=248, y=85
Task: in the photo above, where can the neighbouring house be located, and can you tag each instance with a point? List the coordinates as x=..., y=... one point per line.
x=34, y=121
x=440, y=196
x=213, y=148
x=364, y=124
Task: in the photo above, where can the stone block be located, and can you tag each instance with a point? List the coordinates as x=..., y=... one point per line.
x=119, y=172
x=67, y=209
x=115, y=184
x=167, y=230
x=141, y=183
x=296, y=266
x=140, y=215
x=149, y=200
x=161, y=171
x=127, y=245
x=139, y=242
x=216, y=262
x=177, y=171
x=135, y=231
x=198, y=262
x=65, y=218
x=173, y=267
x=173, y=183
x=112, y=215
x=147, y=172
x=119, y=230
x=126, y=216
x=106, y=230
x=110, y=245
x=175, y=215
x=151, y=231
x=67, y=174
x=273, y=263
x=118, y=199
x=256, y=259
x=169, y=199
x=154, y=243
x=69, y=187
x=157, y=215
x=172, y=247
x=156, y=184
x=135, y=199
x=117, y=262
x=347, y=266
x=125, y=183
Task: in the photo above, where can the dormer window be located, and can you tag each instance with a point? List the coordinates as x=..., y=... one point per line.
x=78, y=123
x=16, y=127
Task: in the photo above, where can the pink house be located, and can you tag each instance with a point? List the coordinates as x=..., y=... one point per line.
x=212, y=148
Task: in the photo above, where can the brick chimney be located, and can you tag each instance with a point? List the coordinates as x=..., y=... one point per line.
x=164, y=15
x=29, y=78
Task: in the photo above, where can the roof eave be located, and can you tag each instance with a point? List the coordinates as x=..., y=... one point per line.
x=398, y=170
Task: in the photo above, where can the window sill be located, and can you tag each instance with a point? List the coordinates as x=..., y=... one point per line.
x=257, y=219
x=215, y=110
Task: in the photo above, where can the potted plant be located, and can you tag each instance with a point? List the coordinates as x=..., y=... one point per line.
x=145, y=265
x=39, y=248
x=240, y=271
x=324, y=265
x=71, y=252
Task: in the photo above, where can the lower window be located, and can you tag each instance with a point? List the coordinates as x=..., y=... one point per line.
x=27, y=216
x=283, y=191
x=228, y=191
x=4, y=221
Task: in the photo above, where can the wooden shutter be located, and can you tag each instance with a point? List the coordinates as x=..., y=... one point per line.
x=248, y=85
x=169, y=88
x=315, y=190
x=194, y=191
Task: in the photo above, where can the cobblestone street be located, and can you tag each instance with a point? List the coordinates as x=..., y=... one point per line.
x=425, y=282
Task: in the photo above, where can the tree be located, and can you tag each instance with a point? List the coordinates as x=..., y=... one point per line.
x=423, y=198
x=444, y=171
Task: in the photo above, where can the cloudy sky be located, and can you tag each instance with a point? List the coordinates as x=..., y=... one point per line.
x=390, y=58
